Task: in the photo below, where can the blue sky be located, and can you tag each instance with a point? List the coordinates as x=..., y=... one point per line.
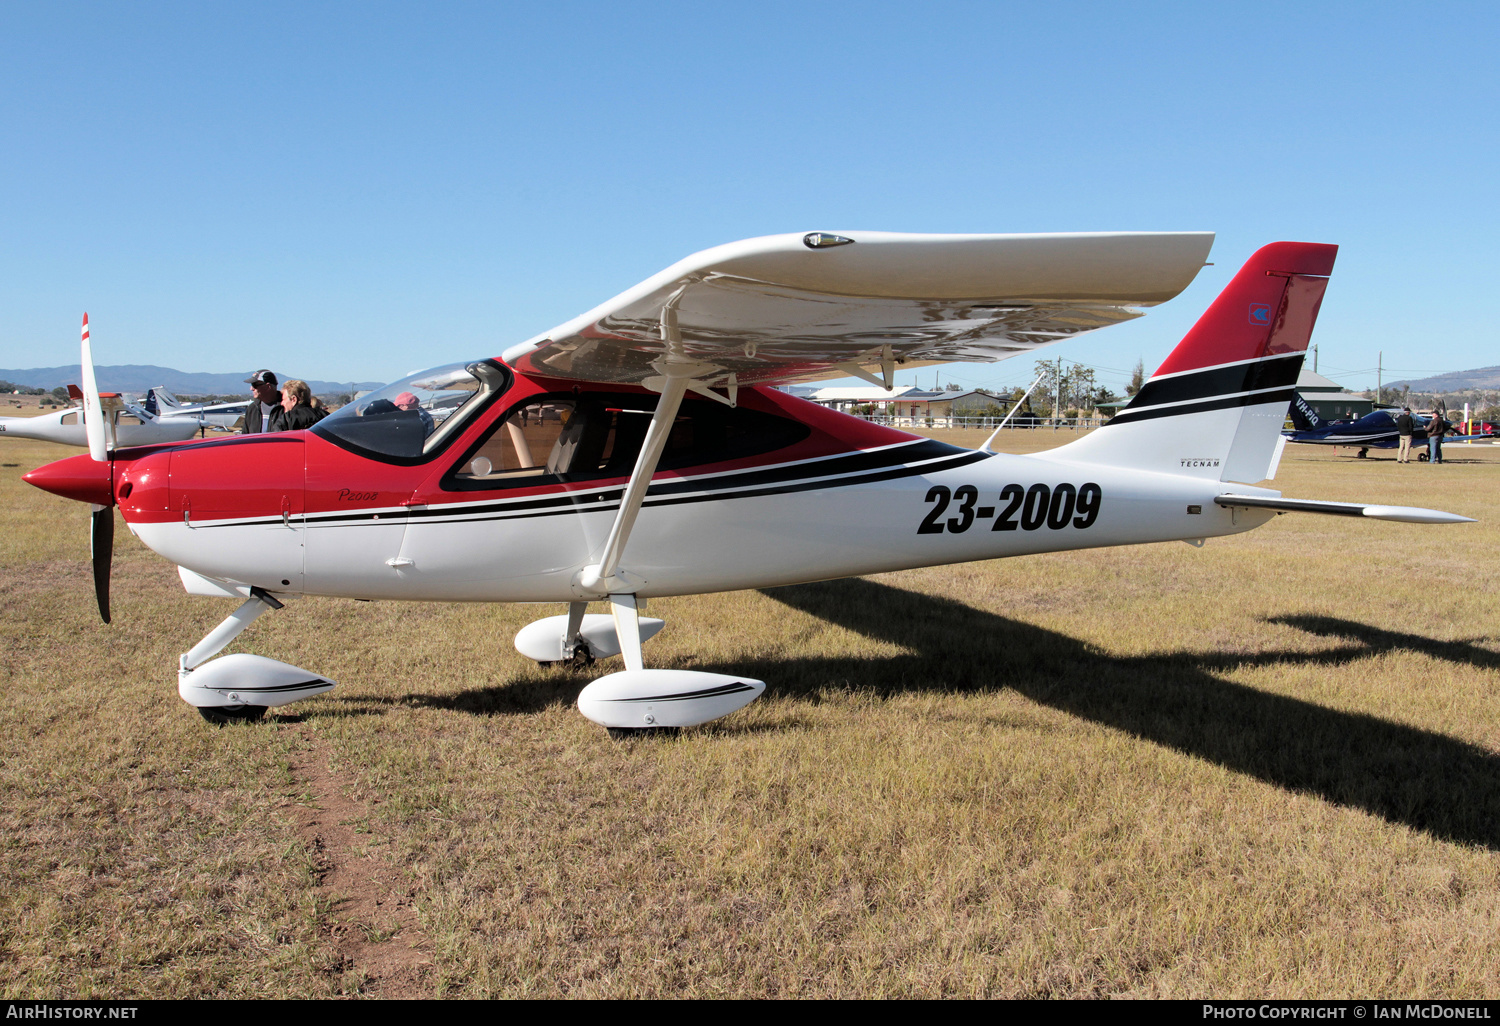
x=354, y=191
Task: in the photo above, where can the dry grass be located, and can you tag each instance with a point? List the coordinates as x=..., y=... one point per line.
x=1267, y=767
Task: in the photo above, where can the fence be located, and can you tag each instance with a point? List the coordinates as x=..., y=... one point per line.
x=987, y=423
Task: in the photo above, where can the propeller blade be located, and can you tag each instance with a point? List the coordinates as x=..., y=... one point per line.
x=102, y=542
x=93, y=409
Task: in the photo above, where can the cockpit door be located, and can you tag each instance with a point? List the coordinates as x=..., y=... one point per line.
x=499, y=520
x=356, y=516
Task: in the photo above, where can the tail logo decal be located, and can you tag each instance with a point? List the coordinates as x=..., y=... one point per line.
x=1260, y=314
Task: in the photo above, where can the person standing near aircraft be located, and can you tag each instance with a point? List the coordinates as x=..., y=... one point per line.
x=296, y=411
x=258, y=415
x=1405, y=425
x=1435, y=428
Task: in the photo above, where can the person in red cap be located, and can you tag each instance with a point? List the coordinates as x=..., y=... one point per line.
x=407, y=403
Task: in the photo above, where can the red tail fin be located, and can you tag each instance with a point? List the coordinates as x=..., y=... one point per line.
x=1215, y=407
x=1264, y=311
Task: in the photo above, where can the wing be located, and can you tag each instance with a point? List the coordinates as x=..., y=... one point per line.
x=800, y=307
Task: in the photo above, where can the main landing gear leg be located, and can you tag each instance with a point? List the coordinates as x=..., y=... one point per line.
x=626, y=610
x=575, y=647
x=628, y=629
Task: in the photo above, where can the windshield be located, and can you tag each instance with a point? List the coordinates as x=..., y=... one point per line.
x=418, y=415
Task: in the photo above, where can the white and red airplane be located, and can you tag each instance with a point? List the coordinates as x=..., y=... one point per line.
x=129, y=423
x=633, y=452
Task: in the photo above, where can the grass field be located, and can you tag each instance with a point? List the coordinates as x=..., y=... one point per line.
x=1267, y=767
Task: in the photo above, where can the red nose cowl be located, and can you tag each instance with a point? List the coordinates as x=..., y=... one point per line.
x=77, y=477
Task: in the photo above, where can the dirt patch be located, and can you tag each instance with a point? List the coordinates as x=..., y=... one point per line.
x=368, y=914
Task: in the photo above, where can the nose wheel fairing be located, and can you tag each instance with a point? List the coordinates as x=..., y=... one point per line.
x=241, y=683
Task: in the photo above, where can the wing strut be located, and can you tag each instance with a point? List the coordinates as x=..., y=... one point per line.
x=991, y=440
x=676, y=374
x=600, y=576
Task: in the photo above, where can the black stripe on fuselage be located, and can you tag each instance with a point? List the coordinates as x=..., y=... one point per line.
x=1130, y=416
x=898, y=456
x=835, y=472
x=812, y=477
x=1216, y=382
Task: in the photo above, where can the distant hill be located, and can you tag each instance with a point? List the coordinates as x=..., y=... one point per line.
x=1458, y=381
x=138, y=378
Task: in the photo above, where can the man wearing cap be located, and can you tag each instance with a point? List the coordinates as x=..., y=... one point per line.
x=258, y=414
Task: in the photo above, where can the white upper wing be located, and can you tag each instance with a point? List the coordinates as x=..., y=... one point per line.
x=795, y=307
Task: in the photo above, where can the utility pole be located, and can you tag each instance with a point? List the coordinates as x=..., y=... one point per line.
x=1058, y=408
x=1379, y=361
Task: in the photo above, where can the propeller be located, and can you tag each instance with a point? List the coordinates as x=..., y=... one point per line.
x=93, y=406
x=102, y=545
x=102, y=522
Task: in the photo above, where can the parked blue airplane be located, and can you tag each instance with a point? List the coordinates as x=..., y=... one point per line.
x=1375, y=430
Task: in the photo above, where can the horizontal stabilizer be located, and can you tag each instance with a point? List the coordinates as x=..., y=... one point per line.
x=1403, y=514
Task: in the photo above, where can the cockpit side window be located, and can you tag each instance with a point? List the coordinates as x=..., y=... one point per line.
x=411, y=420
x=524, y=443
x=563, y=438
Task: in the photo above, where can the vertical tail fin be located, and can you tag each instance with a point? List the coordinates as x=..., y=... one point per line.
x=1216, y=405
x=1304, y=417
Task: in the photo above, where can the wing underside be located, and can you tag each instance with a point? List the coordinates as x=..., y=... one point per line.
x=782, y=308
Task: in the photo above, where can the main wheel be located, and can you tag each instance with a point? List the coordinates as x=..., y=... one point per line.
x=583, y=656
x=630, y=733
x=223, y=715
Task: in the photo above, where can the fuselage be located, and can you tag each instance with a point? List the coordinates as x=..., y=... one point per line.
x=773, y=492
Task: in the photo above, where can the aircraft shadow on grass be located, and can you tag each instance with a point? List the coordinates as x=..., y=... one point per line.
x=1431, y=782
